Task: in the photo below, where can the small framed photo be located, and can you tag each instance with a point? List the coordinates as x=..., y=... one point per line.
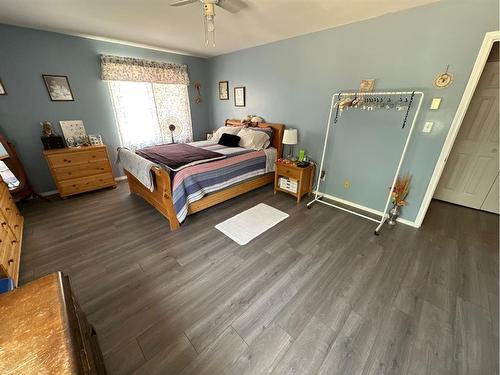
x=95, y=139
x=58, y=88
x=239, y=96
x=223, y=90
x=74, y=132
x=2, y=88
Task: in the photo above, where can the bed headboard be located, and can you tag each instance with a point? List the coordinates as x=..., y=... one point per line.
x=276, y=142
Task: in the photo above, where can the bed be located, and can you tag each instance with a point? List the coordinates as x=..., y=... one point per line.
x=236, y=174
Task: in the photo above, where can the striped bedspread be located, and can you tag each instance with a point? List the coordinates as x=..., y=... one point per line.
x=194, y=182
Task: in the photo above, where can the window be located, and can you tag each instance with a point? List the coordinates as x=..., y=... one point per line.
x=144, y=111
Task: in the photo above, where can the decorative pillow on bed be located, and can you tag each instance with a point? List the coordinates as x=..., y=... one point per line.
x=252, y=139
x=268, y=130
x=229, y=140
x=226, y=130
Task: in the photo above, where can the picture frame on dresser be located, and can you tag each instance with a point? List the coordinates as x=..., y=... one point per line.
x=3, y=91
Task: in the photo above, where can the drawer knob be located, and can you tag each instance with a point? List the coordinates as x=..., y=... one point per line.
x=13, y=242
x=16, y=226
x=10, y=261
x=7, y=208
x=4, y=224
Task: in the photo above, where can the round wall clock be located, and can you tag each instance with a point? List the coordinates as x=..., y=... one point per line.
x=443, y=80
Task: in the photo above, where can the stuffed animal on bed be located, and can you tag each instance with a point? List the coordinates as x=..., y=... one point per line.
x=251, y=120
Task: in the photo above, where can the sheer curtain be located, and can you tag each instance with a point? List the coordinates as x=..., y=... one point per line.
x=144, y=112
x=147, y=98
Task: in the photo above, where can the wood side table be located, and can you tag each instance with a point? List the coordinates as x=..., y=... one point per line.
x=294, y=180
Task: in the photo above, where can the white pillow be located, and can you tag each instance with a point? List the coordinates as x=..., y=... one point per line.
x=226, y=129
x=254, y=140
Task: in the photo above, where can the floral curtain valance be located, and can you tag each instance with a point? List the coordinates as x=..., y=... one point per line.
x=115, y=68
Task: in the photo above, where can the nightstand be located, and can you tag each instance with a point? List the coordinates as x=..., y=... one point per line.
x=293, y=180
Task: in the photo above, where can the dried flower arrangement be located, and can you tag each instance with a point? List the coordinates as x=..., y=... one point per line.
x=400, y=191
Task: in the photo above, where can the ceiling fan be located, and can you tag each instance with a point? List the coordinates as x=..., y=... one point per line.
x=232, y=6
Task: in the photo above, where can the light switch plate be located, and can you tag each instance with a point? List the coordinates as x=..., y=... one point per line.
x=436, y=102
x=428, y=127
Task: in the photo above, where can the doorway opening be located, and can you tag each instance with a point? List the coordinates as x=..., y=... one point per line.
x=470, y=177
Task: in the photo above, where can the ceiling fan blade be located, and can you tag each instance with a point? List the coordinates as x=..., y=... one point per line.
x=183, y=2
x=232, y=6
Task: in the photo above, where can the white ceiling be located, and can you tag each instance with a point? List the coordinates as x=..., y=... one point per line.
x=155, y=24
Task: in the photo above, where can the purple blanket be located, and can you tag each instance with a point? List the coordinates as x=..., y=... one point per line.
x=176, y=156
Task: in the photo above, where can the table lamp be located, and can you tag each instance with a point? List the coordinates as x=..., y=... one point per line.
x=290, y=138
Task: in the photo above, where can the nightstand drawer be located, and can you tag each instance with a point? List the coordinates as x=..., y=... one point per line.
x=288, y=171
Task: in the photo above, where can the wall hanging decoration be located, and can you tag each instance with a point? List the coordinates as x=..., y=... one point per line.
x=223, y=90
x=74, y=133
x=239, y=96
x=444, y=79
x=367, y=85
x=3, y=91
x=370, y=101
x=197, y=86
x=58, y=88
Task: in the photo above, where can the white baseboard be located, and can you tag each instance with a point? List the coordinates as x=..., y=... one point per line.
x=47, y=193
x=54, y=192
x=364, y=208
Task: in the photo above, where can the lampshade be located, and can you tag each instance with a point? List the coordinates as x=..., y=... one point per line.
x=290, y=137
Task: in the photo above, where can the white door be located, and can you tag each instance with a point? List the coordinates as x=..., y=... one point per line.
x=472, y=166
x=491, y=202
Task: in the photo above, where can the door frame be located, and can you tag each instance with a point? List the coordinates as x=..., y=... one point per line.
x=482, y=57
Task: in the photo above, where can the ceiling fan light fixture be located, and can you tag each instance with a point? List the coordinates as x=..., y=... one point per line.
x=209, y=18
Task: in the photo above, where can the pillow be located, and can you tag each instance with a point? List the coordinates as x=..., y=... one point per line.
x=268, y=130
x=226, y=129
x=254, y=140
x=229, y=140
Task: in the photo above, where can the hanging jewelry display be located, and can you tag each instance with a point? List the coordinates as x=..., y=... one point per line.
x=370, y=102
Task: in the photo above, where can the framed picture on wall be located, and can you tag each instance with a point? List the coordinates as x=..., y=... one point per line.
x=2, y=88
x=239, y=96
x=58, y=88
x=223, y=90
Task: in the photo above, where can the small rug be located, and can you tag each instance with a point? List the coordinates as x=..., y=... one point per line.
x=247, y=225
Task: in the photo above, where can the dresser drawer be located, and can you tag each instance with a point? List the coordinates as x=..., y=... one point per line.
x=82, y=184
x=10, y=257
x=291, y=172
x=76, y=171
x=77, y=158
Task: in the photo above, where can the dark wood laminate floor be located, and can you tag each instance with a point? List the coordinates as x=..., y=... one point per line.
x=317, y=294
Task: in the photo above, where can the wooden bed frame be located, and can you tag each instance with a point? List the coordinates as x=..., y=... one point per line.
x=161, y=197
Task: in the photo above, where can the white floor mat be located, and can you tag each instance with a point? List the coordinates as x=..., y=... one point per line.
x=247, y=225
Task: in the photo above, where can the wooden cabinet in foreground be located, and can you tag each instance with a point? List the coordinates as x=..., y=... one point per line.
x=44, y=331
x=78, y=170
x=11, y=235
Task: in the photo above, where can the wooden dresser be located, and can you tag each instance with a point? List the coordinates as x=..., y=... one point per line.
x=44, y=331
x=77, y=170
x=11, y=235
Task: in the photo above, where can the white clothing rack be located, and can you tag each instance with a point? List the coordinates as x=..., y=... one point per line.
x=336, y=97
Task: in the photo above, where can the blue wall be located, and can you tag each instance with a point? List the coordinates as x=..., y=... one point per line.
x=291, y=82
x=26, y=54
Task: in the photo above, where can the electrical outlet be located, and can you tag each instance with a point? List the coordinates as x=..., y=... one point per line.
x=428, y=127
x=323, y=176
x=347, y=184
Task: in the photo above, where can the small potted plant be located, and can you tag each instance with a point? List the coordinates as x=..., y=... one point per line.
x=399, y=193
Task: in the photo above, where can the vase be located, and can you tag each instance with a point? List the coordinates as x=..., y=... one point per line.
x=393, y=215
